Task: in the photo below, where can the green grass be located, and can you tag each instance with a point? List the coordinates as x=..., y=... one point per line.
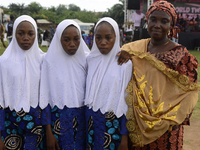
x=2, y=49
x=197, y=54
x=44, y=49
x=196, y=112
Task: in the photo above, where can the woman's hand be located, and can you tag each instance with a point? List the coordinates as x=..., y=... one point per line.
x=124, y=57
x=51, y=142
x=2, y=146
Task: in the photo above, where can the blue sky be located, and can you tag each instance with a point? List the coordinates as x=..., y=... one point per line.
x=92, y=5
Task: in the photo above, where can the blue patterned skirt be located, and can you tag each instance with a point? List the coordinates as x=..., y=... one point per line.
x=21, y=130
x=104, y=130
x=68, y=126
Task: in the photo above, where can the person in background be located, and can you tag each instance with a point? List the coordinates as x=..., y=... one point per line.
x=198, y=20
x=188, y=27
x=84, y=36
x=2, y=32
x=187, y=17
x=195, y=27
x=182, y=22
x=47, y=36
x=51, y=29
x=176, y=33
x=90, y=39
x=121, y=32
x=39, y=32
x=137, y=16
x=129, y=34
x=10, y=29
x=6, y=25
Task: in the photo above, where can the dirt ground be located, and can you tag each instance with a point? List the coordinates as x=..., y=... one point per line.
x=192, y=136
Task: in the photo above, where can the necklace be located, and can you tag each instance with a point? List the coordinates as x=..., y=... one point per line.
x=163, y=44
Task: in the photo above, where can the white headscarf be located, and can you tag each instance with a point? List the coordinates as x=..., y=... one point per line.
x=20, y=72
x=63, y=76
x=106, y=80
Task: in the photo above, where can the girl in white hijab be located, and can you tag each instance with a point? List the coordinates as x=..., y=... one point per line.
x=105, y=90
x=62, y=88
x=19, y=77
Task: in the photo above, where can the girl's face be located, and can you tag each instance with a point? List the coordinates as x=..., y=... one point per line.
x=158, y=24
x=105, y=38
x=70, y=40
x=25, y=35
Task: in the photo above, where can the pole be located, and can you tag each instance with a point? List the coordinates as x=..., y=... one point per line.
x=149, y=2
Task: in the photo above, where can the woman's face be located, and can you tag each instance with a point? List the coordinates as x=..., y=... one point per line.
x=25, y=35
x=158, y=25
x=105, y=38
x=70, y=40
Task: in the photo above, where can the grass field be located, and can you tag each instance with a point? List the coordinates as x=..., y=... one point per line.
x=196, y=113
x=2, y=48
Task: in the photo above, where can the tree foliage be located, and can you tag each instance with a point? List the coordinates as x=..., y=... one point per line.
x=61, y=12
x=73, y=7
x=34, y=7
x=116, y=12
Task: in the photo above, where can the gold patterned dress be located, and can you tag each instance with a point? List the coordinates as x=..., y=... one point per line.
x=162, y=95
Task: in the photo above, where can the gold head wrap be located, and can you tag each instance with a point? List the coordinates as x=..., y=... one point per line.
x=159, y=97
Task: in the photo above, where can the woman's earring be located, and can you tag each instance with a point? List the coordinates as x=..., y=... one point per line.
x=168, y=33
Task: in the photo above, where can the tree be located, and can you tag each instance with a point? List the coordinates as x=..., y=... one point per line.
x=57, y=14
x=17, y=9
x=5, y=10
x=116, y=12
x=34, y=7
x=52, y=8
x=61, y=8
x=73, y=7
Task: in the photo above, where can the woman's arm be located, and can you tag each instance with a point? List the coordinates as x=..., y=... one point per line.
x=124, y=57
x=188, y=66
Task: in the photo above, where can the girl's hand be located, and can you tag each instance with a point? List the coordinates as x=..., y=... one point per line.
x=51, y=142
x=124, y=143
x=122, y=147
x=124, y=57
x=2, y=146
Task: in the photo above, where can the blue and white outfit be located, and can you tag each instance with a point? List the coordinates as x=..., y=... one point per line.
x=105, y=96
x=19, y=93
x=62, y=88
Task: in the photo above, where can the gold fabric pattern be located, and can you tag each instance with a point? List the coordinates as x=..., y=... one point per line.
x=181, y=80
x=155, y=106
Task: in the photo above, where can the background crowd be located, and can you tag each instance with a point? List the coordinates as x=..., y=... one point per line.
x=188, y=23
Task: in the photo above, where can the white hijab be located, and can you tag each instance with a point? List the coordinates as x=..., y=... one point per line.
x=63, y=76
x=106, y=80
x=20, y=72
